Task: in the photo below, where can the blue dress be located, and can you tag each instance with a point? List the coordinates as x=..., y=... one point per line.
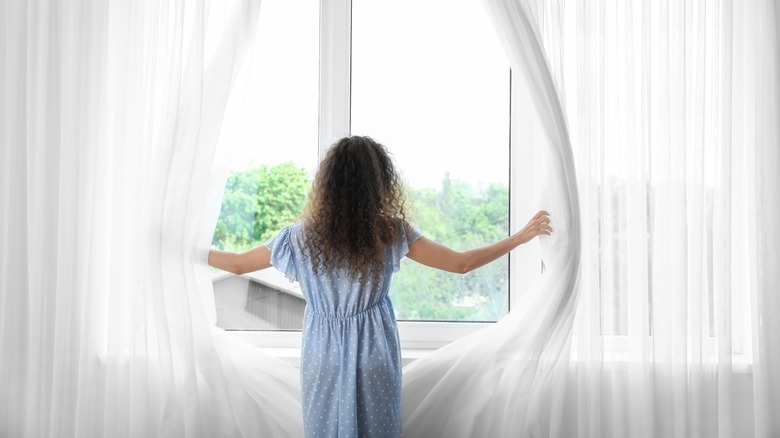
x=351, y=355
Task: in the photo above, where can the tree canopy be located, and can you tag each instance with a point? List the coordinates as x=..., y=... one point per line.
x=259, y=202
x=462, y=217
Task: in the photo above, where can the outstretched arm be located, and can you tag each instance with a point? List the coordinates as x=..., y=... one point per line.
x=438, y=256
x=241, y=263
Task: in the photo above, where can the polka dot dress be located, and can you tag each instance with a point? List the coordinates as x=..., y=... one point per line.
x=351, y=357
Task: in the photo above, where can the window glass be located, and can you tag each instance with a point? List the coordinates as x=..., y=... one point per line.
x=431, y=83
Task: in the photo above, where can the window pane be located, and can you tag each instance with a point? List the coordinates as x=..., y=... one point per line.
x=274, y=136
x=430, y=82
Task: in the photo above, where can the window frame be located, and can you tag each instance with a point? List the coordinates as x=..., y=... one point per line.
x=335, y=77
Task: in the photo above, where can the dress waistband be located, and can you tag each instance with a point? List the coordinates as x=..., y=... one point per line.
x=350, y=316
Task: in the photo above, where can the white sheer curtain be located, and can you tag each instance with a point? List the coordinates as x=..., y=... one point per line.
x=664, y=120
x=761, y=136
x=674, y=114
x=109, y=113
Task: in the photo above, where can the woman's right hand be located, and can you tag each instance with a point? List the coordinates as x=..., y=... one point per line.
x=438, y=256
x=539, y=224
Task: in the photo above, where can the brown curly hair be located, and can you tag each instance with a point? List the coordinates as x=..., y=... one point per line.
x=355, y=209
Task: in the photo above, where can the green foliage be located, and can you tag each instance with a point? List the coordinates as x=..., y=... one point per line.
x=463, y=217
x=258, y=203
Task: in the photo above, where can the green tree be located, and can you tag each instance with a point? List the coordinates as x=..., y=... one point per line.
x=461, y=216
x=258, y=203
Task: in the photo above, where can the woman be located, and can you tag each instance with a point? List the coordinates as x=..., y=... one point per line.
x=344, y=253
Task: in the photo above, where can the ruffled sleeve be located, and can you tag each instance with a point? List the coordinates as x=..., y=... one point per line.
x=282, y=255
x=409, y=235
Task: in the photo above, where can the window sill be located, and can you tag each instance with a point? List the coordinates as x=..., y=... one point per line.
x=420, y=339
x=415, y=335
x=292, y=356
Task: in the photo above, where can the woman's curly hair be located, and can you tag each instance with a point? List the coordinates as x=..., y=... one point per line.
x=355, y=209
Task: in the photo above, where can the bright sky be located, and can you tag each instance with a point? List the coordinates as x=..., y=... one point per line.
x=429, y=81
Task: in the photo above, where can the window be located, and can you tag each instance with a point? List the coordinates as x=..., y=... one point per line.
x=408, y=91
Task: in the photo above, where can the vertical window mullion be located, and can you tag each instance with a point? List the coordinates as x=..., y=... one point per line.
x=335, y=71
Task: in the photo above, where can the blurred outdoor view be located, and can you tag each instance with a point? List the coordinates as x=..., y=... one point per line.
x=259, y=202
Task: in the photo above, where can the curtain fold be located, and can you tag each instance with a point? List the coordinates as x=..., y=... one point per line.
x=109, y=118
x=764, y=20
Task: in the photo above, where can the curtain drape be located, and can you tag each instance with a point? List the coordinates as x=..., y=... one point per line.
x=673, y=109
x=762, y=83
x=674, y=115
x=109, y=114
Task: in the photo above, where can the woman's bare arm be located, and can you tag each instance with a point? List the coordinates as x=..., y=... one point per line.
x=241, y=263
x=423, y=251
x=438, y=256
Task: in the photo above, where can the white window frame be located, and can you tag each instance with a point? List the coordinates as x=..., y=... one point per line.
x=417, y=337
